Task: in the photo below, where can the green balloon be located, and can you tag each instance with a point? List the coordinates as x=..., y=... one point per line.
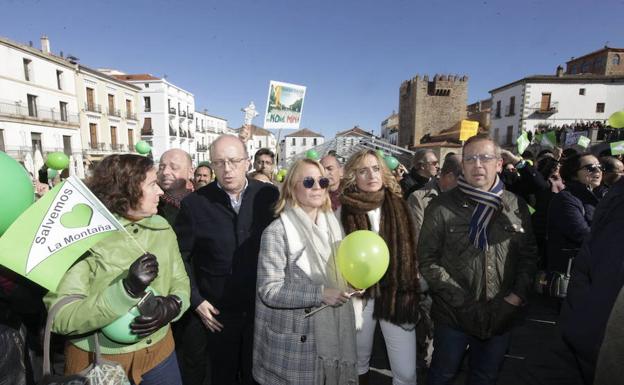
x=283, y=171
x=380, y=153
x=17, y=191
x=391, y=162
x=363, y=258
x=312, y=154
x=119, y=330
x=279, y=177
x=142, y=147
x=57, y=161
x=52, y=173
x=616, y=120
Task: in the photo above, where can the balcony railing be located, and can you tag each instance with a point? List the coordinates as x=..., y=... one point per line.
x=202, y=148
x=183, y=133
x=190, y=115
x=172, y=110
x=148, y=109
x=545, y=108
x=183, y=113
x=97, y=147
x=118, y=147
x=114, y=112
x=17, y=110
x=131, y=116
x=92, y=107
x=147, y=132
x=510, y=110
x=172, y=132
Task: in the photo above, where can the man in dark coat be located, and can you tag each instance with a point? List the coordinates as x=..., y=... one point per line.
x=219, y=229
x=175, y=172
x=597, y=278
x=425, y=166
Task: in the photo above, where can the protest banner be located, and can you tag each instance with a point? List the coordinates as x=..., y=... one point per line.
x=284, y=105
x=54, y=232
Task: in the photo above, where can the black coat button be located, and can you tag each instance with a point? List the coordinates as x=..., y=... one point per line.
x=303, y=338
x=135, y=231
x=148, y=341
x=307, y=310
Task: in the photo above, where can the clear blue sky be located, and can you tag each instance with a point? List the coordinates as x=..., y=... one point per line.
x=351, y=54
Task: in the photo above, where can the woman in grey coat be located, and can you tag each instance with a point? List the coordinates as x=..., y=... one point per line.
x=297, y=272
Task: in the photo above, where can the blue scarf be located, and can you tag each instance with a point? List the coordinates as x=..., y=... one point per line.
x=488, y=202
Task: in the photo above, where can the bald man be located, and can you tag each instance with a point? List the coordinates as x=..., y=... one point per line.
x=175, y=172
x=219, y=229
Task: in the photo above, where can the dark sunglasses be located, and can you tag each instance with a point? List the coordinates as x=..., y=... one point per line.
x=592, y=167
x=308, y=182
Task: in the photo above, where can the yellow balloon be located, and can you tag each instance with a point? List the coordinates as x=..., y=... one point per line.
x=363, y=258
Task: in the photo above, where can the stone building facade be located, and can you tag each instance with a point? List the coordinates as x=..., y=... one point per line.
x=430, y=106
x=605, y=61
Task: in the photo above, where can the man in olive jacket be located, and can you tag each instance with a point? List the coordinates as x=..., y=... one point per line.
x=478, y=254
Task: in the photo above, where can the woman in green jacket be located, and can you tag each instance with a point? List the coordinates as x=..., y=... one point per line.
x=113, y=280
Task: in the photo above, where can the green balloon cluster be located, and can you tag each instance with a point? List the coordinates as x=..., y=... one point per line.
x=142, y=147
x=391, y=162
x=312, y=154
x=281, y=175
x=17, y=191
x=616, y=120
x=52, y=173
x=363, y=258
x=57, y=161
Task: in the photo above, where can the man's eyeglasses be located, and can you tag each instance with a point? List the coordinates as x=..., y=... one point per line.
x=220, y=163
x=483, y=158
x=592, y=168
x=308, y=182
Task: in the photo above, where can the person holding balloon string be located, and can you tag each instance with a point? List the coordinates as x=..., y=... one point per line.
x=297, y=271
x=372, y=200
x=113, y=281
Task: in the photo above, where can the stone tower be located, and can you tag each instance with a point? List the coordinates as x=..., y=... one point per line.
x=428, y=107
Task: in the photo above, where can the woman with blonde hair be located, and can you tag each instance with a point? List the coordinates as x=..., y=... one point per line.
x=372, y=200
x=297, y=272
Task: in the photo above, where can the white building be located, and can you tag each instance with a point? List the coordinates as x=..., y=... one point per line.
x=208, y=129
x=296, y=144
x=166, y=114
x=390, y=128
x=38, y=107
x=346, y=140
x=108, y=114
x=260, y=138
x=553, y=100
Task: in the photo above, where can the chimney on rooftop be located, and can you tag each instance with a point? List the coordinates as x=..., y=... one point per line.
x=559, y=72
x=45, y=44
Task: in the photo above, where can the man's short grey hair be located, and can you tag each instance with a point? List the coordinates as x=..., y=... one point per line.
x=420, y=157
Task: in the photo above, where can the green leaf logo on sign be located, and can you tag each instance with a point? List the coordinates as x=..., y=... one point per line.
x=79, y=216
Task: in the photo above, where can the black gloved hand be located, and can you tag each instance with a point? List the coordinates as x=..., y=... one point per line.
x=503, y=315
x=166, y=310
x=140, y=274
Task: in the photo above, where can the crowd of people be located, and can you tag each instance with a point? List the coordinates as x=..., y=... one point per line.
x=235, y=275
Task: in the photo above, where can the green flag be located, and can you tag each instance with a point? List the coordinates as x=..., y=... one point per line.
x=617, y=148
x=54, y=232
x=549, y=139
x=522, y=142
x=583, y=141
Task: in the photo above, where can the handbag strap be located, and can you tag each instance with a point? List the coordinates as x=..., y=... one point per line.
x=48, y=331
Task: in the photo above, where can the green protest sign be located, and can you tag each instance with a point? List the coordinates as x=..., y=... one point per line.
x=617, y=148
x=54, y=232
x=522, y=142
x=583, y=141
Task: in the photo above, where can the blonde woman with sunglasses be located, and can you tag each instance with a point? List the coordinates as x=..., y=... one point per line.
x=304, y=331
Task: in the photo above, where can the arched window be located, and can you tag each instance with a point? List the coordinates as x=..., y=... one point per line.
x=616, y=60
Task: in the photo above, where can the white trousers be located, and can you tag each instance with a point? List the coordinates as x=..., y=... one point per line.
x=400, y=344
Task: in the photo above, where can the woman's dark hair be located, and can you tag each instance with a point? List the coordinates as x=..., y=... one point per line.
x=568, y=152
x=117, y=180
x=546, y=166
x=571, y=165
